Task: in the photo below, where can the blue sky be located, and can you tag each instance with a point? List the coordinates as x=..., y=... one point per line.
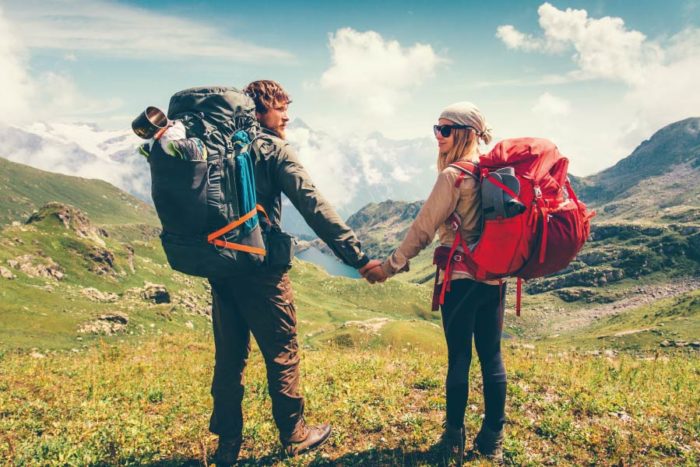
x=596, y=77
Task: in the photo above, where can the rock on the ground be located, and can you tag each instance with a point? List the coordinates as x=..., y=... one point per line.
x=106, y=324
x=155, y=293
x=72, y=218
x=6, y=273
x=98, y=296
x=101, y=260
x=189, y=302
x=37, y=267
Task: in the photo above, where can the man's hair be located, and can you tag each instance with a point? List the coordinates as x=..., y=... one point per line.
x=267, y=94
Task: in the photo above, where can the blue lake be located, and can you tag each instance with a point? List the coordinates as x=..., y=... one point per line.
x=333, y=266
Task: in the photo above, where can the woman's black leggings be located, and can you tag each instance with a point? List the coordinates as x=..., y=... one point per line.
x=474, y=308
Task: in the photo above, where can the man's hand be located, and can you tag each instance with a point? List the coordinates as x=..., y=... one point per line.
x=373, y=272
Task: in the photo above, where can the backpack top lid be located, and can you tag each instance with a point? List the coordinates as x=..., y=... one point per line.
x=535, y=159
x=224, y=107
x=531, y=157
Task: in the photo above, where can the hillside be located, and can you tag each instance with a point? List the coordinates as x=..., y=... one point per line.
x=673, y=145
x=68, y=283
x=381, y=226
x=658, y=182
x=24, y=189
x=62, y=274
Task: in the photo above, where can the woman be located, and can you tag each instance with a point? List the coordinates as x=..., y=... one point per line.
x=470, y=308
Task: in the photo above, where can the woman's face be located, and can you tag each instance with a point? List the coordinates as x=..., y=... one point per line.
x=445, y=143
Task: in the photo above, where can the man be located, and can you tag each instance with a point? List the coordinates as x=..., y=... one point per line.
x=263, y=304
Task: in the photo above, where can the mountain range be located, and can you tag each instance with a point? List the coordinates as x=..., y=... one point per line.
x=657, y=183
x=349, y=171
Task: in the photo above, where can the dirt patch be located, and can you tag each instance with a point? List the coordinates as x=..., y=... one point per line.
x=370, y=326
x=630, y=331
x=639, y=296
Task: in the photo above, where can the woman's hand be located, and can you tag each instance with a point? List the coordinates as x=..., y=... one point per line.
x=373, y=272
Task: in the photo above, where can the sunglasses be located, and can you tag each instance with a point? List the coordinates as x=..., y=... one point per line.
x=446, y=130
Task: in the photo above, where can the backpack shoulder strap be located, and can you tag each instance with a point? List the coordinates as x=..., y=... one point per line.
x=465, y=168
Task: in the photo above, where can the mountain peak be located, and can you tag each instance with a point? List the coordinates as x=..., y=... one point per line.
x=671, y=147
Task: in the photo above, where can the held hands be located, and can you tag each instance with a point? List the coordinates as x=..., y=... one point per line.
x=373, y=272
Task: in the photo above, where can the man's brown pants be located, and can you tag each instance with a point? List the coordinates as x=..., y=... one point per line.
x=263, y=305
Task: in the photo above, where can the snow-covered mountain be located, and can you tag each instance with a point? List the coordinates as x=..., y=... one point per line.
x=349, y=171
x=354, y=171
x=82, y=150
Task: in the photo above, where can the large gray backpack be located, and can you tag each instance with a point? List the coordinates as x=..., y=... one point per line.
x=208, y=208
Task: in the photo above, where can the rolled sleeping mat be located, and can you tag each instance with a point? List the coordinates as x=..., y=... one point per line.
x=496, y=203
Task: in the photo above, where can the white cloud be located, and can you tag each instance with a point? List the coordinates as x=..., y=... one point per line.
x=657, y=78
x=15, y=83
x=352, y=171
x=376, y=73
x=403, y=174
x=112, y=29
x=551, y=106
x=514, y=39
x=328, y=166
x=26, y=96
x=604, y=47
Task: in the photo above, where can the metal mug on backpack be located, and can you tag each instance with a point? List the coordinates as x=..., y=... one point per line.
x=150, y=123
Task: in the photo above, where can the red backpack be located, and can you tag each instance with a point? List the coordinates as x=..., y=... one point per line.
x=542, y=239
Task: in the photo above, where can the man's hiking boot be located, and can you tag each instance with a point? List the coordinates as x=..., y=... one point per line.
x=489, y=444
x=452, y=440
x=311, y=438
x=226, y=453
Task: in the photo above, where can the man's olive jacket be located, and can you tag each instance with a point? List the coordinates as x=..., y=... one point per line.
x=277, y=171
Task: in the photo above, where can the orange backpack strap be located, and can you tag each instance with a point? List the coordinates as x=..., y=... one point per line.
x=214, y=239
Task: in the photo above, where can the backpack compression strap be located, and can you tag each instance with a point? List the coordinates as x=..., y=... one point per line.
x=213, y=237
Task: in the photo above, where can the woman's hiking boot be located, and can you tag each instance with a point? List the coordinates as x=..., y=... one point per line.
x=452, y=440
x=489, y=444
x=226, y=453
x=309, y=438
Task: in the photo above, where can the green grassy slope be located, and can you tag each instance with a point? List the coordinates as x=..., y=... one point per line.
x=24, y=189
x=45, y=312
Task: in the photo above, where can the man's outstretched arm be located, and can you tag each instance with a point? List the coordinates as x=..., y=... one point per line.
x=297, y=185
